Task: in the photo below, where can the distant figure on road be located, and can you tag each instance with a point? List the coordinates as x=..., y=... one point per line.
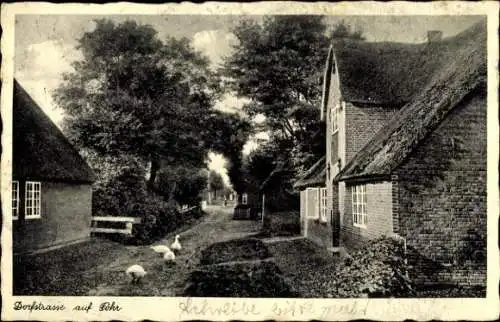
x=225, y=201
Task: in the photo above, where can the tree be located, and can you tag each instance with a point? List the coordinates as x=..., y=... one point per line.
x=216, y=182
x=134, y=94
x=231, y=134
x=181, y=184
x=259, y=164
x=345, y=30
x=279, y=66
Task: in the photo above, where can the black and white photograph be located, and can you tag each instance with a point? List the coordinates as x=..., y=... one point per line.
x=247, y=156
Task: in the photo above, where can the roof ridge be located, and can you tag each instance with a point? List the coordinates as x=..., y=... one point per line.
x=382, y=73
x=446, y=89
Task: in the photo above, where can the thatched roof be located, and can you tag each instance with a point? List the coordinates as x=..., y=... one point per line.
x=389, y=73
x=459, y=69
x=40, y=150
x=278, y=169
x=315, y=176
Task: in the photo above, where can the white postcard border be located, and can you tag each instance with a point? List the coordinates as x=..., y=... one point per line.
x=156, y=308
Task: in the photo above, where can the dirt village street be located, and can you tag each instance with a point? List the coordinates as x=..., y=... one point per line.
x=164, y=280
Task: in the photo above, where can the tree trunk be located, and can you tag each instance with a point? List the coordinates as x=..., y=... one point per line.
x=171, y=194
x=155, y=166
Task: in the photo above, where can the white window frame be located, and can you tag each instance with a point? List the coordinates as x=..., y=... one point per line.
x=323, y=202
x=314, y=214
x=15, y=199
x=334, y=117
x=359, y=215
x=32, y=200
x=244, y=199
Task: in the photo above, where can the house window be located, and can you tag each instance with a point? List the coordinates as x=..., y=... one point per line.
x=244, y=199
x=15, y=200
x=32, y=200
x=359, y=205
x=334, y=117
x=312, y=203
x=322, y=204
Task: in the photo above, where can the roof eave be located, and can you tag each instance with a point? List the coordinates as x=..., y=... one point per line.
x=369, y=103
x=47, y=179
x=309, y=185
x=364, y=177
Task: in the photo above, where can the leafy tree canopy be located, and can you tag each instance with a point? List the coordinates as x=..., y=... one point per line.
x=182, y=184
x=345, y=30
x=135, y=94
x=279, y=65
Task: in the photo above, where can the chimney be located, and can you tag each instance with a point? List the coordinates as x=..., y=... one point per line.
x=434, y=36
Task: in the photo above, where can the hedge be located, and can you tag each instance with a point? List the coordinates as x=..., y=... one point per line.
x=234, y=250
x=281, y=224
x=254, y=279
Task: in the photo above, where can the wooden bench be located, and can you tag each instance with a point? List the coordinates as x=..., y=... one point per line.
x=184, y=210
x=127, y=222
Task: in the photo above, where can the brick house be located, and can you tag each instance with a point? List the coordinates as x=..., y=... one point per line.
x=406, y=151
x=51, y=183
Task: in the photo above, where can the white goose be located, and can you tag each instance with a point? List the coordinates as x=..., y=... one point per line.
x=136, y=272
x=160, y=249
x=176, y=245
x=169, y=257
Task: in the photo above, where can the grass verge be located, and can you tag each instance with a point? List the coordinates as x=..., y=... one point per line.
x=234, y=250
x=281, y=224
x=305, y=265
x=59, y=272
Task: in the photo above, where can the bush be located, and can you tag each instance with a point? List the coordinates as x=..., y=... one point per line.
x=126, y=194
x=182, y=183
x=378, y=270
x=234, y=250
x=261, y=279
x=157, y=219
x=281, y=224
x=161, y=221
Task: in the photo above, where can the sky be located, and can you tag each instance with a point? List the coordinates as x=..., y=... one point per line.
x=45, y=46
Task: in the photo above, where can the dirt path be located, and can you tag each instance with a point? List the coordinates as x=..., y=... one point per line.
x=162, y=279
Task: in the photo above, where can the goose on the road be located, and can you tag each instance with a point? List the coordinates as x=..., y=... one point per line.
x=136, y=272
x=176, y=245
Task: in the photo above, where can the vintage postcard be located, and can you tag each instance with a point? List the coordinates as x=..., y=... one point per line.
x=250, y=161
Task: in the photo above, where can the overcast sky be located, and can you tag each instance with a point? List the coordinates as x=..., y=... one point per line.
x=45, y=44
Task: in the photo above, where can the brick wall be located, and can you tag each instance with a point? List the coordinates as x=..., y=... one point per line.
x=379, y=215
x=361, y=125
x=66, y=211
x=333, y=142
x=442, y=194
